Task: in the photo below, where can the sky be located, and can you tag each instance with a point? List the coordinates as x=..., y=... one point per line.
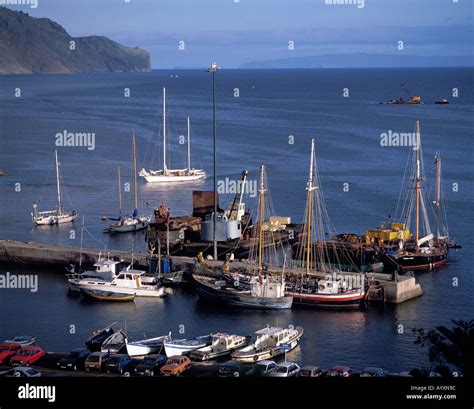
x=191, y=33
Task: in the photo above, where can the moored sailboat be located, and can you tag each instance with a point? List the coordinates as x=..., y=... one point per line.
x=57, y=216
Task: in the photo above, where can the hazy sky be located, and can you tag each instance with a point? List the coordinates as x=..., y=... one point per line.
x=232, y=32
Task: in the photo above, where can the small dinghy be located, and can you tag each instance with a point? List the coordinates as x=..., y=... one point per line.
x=270, y=342
x=146, y=346
x=23, y=340
x=97, y=338
x=222, y=345
x=115, y=343
x=98, y=295
x=183, y=346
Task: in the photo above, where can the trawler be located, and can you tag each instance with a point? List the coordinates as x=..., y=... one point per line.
x=57, y=216
x=167, y=175
x=267, y=285
x=312, y=256
x=270, y=342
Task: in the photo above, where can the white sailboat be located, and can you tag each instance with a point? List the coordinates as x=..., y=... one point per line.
x=57, y=216
x=133, y=222
x=166, y=175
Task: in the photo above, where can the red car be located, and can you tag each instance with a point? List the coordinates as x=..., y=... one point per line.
x=8, y=349
x=27, y=356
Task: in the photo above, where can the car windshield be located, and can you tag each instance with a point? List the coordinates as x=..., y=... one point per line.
x=31, y=372
x=25, y=352
x=94, y=358
x=282, y=369
x=150, y=361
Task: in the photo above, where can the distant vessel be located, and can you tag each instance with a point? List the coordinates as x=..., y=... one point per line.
x=133, y=222
x=57, y=216
x=442, y=101
x=413, y=100
x=169, y=176
x=270, y=342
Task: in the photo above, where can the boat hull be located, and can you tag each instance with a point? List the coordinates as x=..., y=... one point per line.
x=241, y=300
x=52, y=220
x=421, y=261
x=173, y=179
x=127, y=228
x=106, y=295
x=138, y=292
x=352, y=299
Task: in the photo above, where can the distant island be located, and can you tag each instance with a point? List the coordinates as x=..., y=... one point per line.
x=31, y=45
x=363, y=60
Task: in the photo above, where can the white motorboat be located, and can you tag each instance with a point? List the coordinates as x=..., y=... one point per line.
x=222, y=345
x=183, y=346
x=57, y=216
x=169, y=176
x=270, y=342
x=146, y=346
x=127, y=282
x=104, y=269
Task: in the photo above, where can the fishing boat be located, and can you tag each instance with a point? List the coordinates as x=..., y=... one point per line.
x=57, y=216
x=147, y=346
x=128, y=282
x=266, y=289
x=425, y=249
x=114, y=343
x=222, y=345
x=320, y=282
x=97, y=338
x=23, y=340
x=183, y=346
x=167, y=175
x=270, y=342
x=99, y=295
x=133, y=222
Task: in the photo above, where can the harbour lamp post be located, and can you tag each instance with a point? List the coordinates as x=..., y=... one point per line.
x=213, y=68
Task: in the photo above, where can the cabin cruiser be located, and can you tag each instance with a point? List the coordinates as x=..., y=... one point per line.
x=222, y=344
x=270, y=342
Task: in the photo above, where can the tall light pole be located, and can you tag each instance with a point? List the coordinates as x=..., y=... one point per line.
x=213, y=68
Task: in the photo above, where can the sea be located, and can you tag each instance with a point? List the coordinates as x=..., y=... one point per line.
x=264, y=117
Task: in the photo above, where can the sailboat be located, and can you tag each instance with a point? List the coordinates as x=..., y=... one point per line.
x=57, y=216
x=313, y=256
x=266, y=288
x=424, y=250
x=133, y=222
x=166, y=175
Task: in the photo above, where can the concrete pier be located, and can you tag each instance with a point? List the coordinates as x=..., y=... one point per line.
x=382, y=286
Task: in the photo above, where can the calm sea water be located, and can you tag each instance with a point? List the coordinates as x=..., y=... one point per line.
x=253, y=129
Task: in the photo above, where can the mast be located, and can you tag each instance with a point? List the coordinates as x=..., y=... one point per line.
x=189, y=148
x=310, y=189
x=260, y=221
x=438, y=192
x=82, y=236
x=57, y=181
x=135, y=195
x=119, y=191
x=164, y=130
x=417, y=180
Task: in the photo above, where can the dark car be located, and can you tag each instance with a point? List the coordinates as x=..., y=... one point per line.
x=263, y=368
x=74, y=359
x=342, y=371
x=233, y=369
x=311, y=371
x=150, y=365
x=373, y=372
x=122, y=364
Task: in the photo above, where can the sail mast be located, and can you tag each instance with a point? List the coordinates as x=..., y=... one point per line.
x=189, y=147
x=310, y=189
x=164, y=130
x=260, y=224
x=57, y=181
x=438, y=192
x=119, y=191
x=82, y=237
x=417, y=180
x=135, y=173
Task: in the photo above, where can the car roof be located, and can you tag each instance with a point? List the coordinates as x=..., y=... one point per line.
x=286, y=364
x=99, y=353
x=341, y=368
x=310, y=367
x=373, y=369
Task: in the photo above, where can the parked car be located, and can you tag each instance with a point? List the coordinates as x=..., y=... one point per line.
x=150, y=365
x=263, y=368
x=342, y=371
x=121, y=363
x=21, y=371
x=74, y=359
x=311, y=371
x=373, y=372
x=234, y=369
x=7, y=350
x=96, y=361
x=285, y=370
x=27, y=356
x=176, y=365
